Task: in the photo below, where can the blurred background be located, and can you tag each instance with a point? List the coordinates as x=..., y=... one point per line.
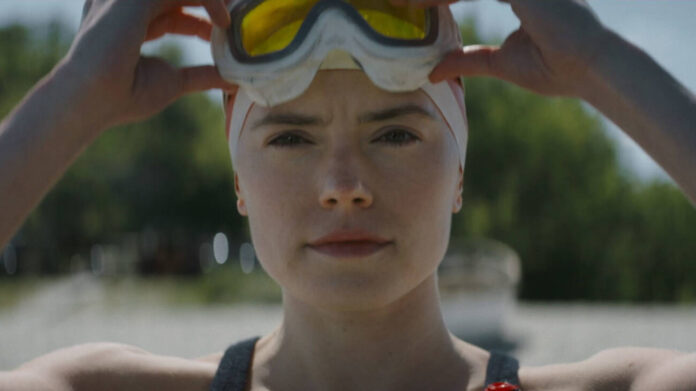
x=571, y=239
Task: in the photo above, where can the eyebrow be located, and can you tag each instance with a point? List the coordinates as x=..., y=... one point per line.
x=292, y=119
x=295, y=119
x=395, y=112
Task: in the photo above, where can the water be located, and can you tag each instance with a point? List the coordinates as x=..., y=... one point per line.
x=73, y=311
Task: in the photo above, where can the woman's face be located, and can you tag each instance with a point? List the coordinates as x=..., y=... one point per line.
x=348, y=155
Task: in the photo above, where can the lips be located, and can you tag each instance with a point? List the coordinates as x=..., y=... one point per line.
x=349, y=244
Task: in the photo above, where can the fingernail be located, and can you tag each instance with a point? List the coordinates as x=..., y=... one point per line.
x=435, y=78
x=229, y=87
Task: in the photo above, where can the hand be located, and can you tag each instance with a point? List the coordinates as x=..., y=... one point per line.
x=549, y=54
x=122, y=86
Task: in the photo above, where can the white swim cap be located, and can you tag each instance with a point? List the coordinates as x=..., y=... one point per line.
x=447, y=96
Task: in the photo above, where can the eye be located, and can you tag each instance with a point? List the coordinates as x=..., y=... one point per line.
x=399, y=137
x=287, y=140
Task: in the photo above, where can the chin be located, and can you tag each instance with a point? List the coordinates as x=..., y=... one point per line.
x=349, y=292
x=343, y=286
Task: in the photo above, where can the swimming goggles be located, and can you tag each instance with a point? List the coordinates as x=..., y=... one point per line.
x=274, y=48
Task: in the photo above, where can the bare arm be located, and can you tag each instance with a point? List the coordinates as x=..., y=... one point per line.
x=675, y=374
x=30, y=381
x=653, y=108
x=102, y=82
x=107, y=367
x=623, y=368
x=561, y=48
x=639, y=369
x=38, y=142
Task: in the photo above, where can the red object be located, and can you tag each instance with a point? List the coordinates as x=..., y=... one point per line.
x=502, y=386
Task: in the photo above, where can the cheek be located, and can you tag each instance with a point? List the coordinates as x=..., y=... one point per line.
x=421, y=202
x=424, y=185
x=277, y=200
x=272, y=184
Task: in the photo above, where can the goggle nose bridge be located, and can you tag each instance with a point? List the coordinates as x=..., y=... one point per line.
x=331, y=9
x=334, y=29
x=351, y=13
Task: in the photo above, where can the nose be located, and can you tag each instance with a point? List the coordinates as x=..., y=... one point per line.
x=343, y=188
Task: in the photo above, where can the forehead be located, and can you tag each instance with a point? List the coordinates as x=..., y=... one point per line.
x=346, y=92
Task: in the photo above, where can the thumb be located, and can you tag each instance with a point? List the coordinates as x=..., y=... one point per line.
x=201, y=78
x=473, y=60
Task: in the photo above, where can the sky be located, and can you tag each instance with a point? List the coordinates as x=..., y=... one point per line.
x=660, y=27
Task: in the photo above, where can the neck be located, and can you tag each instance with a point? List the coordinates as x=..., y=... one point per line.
x=404, y=345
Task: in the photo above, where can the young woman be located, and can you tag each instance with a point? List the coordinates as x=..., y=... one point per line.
x=349, y=190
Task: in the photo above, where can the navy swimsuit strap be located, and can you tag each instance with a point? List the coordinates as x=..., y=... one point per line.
x=502, y=368
x=233, y=372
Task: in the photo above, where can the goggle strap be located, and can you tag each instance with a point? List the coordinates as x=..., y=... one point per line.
x=238, y=109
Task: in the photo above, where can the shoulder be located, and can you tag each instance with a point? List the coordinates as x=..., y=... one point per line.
x=113, y=366
x=213, y=358
x=69, y=360
x=624, y=368
x=649, y=369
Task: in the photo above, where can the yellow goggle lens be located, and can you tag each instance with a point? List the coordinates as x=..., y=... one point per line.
x=407, y=23
x=273, y=24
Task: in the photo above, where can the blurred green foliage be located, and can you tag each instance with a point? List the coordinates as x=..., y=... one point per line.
x=171, y=173
x=27, y=55
x=13, y=291
x=541, y=176
x=226, y=285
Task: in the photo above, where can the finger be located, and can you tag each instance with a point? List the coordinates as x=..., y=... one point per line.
x=218, y=12
x=432, y=3
x=474, y=60
x=422, y=3
x=178, y=22
x=85, y=9
x=202, y=78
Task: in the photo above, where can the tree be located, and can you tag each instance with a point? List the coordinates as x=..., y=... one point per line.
x=171, y=174
x=543, y=177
